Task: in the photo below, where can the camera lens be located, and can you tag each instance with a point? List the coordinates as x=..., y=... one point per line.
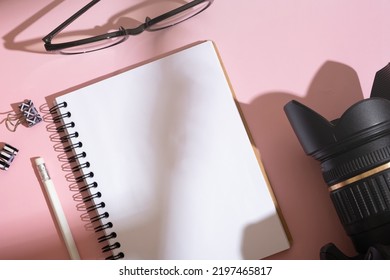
x=354, y=154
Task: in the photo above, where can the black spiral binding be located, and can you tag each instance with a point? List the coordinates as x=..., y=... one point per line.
x=85, y=190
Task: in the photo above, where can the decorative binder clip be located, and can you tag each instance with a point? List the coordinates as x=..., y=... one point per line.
x=28, y=115
x=7, y=155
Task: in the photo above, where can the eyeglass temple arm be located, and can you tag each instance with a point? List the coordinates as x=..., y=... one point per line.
x=49, y=37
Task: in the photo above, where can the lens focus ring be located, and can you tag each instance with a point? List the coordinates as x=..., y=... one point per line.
x=363, y=199
x=364, y=209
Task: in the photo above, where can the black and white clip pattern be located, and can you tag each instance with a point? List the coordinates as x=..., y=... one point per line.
x=27, y=115
x=7, y=155
x=30, y=113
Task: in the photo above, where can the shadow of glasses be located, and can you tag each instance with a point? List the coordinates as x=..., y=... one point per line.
x=128, y=18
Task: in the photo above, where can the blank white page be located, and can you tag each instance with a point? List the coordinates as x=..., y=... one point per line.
x=174, y=163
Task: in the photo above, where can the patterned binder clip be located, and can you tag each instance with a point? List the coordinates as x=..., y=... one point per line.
x=7, y=155
x=28, y=115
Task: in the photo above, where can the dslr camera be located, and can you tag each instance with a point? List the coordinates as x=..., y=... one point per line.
x=354, y=155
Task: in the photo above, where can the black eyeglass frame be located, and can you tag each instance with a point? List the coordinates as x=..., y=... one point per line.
x=122, y=32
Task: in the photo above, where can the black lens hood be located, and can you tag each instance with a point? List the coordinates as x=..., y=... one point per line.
x=361, y=123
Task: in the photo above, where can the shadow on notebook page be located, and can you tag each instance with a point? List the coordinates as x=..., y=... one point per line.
x=162, y=127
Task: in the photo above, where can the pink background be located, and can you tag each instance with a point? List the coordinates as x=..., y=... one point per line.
x=322, y=53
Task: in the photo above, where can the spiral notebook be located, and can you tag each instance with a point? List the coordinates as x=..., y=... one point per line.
x=168, y=162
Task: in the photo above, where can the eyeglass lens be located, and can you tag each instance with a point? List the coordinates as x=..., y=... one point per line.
x=179, y=17
x=94, y=45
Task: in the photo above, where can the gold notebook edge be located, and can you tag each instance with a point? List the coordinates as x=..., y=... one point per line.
x=255, y=149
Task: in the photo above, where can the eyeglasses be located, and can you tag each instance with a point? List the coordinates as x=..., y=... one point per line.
x=94, y=43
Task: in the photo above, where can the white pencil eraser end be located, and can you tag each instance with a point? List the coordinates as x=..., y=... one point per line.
x=39, y=161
